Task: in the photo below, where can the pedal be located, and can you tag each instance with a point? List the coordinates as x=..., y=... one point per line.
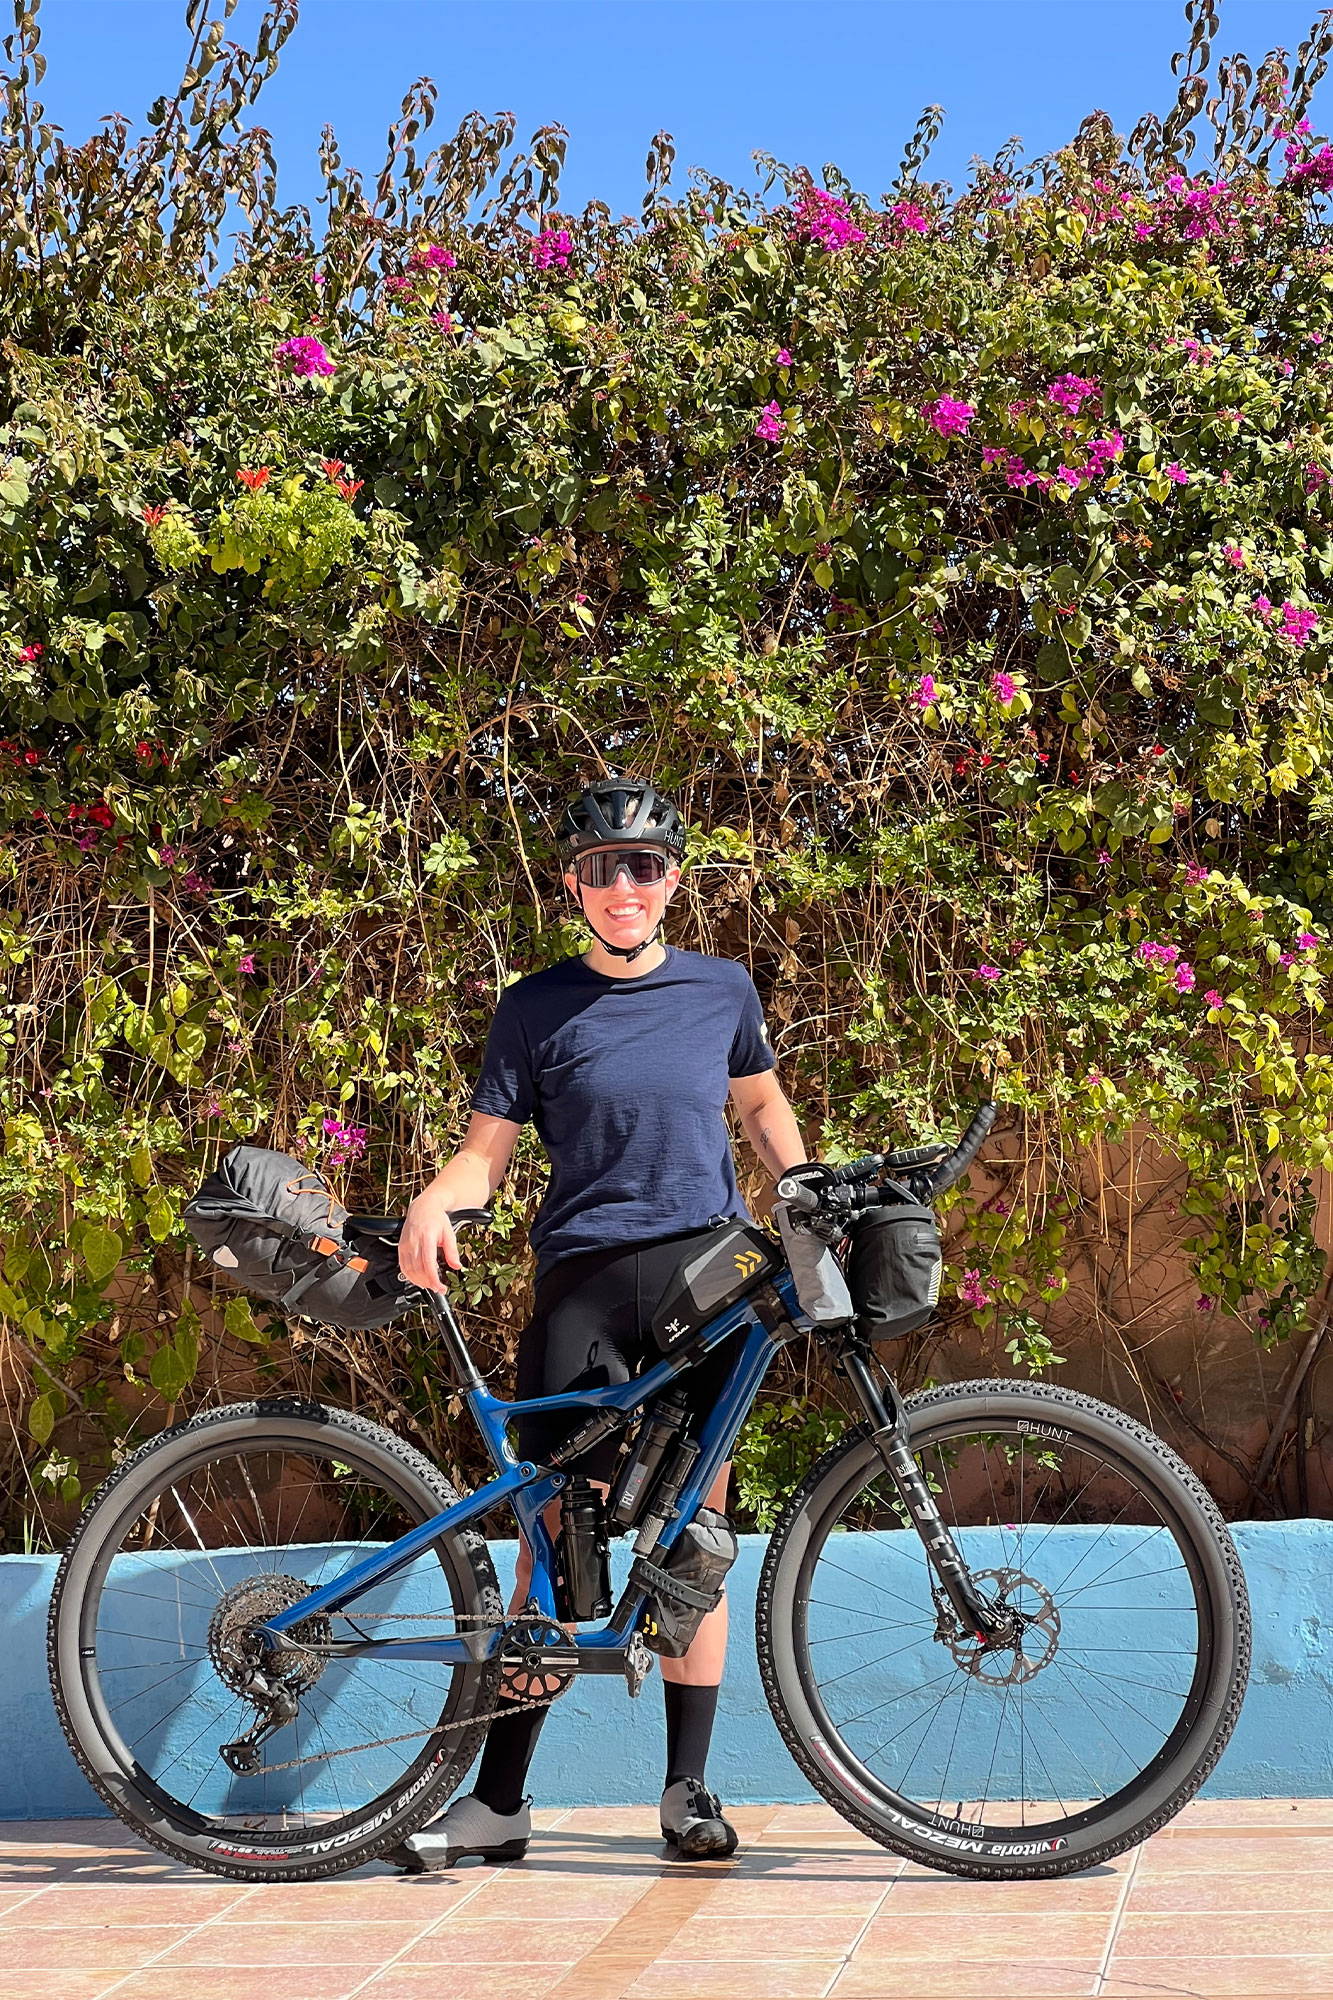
x=638, y=1664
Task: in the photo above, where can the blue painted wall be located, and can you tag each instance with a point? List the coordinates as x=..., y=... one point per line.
x=600, y=1748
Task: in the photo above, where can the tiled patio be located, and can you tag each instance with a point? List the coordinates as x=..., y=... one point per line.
x=1232, y=1899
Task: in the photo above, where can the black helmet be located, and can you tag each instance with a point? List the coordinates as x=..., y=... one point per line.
x=624, y=811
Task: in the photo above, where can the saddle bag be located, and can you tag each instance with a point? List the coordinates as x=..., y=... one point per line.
x=270, y=1226
x=735, y=1258
x=894, y=1262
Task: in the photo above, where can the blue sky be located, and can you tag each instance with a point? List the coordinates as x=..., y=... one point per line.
x=843, y=80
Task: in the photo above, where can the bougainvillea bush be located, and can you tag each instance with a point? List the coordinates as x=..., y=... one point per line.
x=960, y=559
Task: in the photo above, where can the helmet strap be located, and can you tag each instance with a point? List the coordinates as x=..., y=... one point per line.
x=627, y=952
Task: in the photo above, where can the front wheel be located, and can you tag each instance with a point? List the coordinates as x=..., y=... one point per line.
x=1120, y=1679
x=194, y=1541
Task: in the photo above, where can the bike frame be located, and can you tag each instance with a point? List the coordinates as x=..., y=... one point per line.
x=760, y=1325
x=527, y=1488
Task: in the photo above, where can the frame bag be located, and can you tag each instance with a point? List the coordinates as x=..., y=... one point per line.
x=720, y=1268
x=894, y=1265
x=271, y=1226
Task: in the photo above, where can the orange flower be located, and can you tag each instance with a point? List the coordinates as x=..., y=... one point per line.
x=253, y=477
x=154, y=515
x=349, y=488
x=331, y=467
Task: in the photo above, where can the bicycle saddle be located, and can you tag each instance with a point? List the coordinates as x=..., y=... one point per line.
x=388, y=1228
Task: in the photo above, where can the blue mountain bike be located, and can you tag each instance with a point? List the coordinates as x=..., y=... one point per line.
x=1002, y=1628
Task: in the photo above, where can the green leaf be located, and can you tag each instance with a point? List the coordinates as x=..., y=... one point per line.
x=240, y=1323
x=102, y=1250
x=168, y=1373
x=141, y=1165
x=161, y=1215
x=41, y=1418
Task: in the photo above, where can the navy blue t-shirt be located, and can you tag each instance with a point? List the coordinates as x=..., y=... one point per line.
x=626, y=1080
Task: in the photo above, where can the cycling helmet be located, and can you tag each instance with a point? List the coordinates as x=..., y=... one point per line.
x=624, y=812
x=627, y=811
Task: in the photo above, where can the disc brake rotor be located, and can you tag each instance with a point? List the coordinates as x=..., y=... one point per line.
x=1021, y=1655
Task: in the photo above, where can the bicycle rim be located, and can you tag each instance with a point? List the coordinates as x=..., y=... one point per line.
x=1075, y=1726
x=226, y=1535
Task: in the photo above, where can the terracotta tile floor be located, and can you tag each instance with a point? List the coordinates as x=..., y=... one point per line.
x=1232, y=1899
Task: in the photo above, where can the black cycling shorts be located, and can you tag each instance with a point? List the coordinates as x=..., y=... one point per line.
x=591, y=1327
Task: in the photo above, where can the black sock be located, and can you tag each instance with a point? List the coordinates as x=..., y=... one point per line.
x=510, y=1742
x=689, y=1727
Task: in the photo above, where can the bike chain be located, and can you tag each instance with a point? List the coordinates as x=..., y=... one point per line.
x=509, y=1707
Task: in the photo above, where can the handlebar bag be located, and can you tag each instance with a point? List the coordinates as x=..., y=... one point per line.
x=894, y=1262
x=270, y=1226
x=735, y=1258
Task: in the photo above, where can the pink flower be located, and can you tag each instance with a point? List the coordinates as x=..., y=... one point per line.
x=196, y=883
x=1184, y=977
x=434, y=258
x=986, y=972
x=305, y=354
x=1264, y=606
x=1161, y=954
x=1103, y=857
x=1298, y=622
x=443, y=321
x=925, y=691
x=1212, y=998
x=827, y=219
x=167, y=856
x=31, y=652
x=1070, y=391
x=992, y=454
x=212, y=1109
x=1315, y=173
x=1307, y=941
x=908, y=216
x=972, y=1291
x=348, y=1141
x=1177, y=474
x=772, y=423
x=1315, y=477
x=246, y=963
x=1194, y=875
x=784, y=359
x=552, y=249
x=1286, y=958
x=318, y=278
x=1234, y=554
x=398, y=283
x=948, y=416
x=1204, y=1304
x=1003, y=687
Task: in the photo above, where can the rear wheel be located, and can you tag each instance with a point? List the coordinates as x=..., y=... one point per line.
x=1118, y=1686
x=210, y=1529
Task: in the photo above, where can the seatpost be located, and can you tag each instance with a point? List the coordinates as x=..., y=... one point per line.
x=460, y=1354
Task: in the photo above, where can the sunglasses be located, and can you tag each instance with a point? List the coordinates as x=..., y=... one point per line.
x=644, y=865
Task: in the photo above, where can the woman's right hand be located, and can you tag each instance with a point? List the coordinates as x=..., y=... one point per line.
x=426, y=1242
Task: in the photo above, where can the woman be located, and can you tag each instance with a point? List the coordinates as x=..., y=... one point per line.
x=625, y=1058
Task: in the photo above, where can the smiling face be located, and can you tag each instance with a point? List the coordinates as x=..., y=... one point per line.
x=628, y=911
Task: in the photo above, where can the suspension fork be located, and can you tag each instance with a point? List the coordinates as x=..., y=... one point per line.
x=880, y=1401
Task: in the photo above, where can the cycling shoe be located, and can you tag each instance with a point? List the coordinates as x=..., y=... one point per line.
x=692, y=1821
x=467, y=1830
